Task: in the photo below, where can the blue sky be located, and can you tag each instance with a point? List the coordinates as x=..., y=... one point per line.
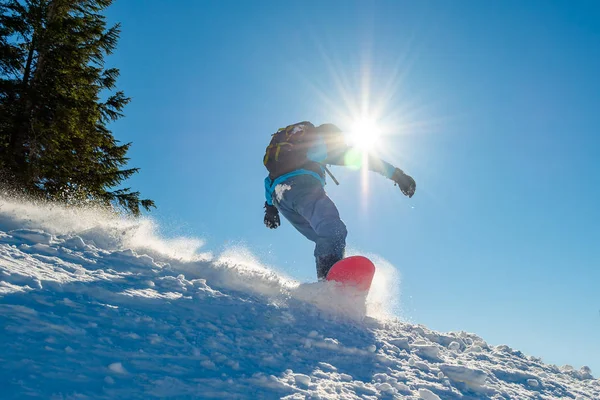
x=492, y=107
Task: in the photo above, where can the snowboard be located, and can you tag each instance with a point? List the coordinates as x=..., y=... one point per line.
x=356, y=271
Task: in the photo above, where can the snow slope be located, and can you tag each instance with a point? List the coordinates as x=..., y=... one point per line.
x=97, y=307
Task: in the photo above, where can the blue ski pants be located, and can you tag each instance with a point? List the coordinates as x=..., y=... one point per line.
x=303, y=202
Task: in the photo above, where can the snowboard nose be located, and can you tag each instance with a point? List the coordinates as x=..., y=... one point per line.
x=357, y=271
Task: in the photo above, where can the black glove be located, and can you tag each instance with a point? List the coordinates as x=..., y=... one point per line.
x=271, y=216
x=406, y=183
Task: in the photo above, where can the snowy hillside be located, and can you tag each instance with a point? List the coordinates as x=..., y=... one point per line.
x=94, y=307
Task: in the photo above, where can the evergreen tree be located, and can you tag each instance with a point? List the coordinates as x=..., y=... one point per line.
x=54, y=136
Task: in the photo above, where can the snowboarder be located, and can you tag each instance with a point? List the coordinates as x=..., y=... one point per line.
x=296, y=160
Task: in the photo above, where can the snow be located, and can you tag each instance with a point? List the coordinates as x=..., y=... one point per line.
x=280, y=191
x=427, y=394
x=454, y=346
x=117, y=368
x=474, y=378
x=302, y=380
x=96, y=306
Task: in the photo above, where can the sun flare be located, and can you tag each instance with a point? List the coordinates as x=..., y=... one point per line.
x=365, y=134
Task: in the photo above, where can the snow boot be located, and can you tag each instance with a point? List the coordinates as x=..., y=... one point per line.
x=324, y=264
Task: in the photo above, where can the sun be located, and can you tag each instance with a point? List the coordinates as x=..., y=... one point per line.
x=365, y=134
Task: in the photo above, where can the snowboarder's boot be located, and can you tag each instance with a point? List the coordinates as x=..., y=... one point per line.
x=324, y=264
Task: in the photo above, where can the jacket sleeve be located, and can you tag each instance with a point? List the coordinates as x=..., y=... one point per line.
x=342, y=157
x=268, y=191
x=380, y=166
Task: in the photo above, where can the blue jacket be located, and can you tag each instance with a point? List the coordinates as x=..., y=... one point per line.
x=318, y=153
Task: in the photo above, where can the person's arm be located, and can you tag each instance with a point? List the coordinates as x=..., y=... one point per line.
x=271, y=218
x=268, y=192
x=343, y=156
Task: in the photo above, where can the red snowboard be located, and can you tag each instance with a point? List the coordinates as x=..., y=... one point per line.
x=354, y=271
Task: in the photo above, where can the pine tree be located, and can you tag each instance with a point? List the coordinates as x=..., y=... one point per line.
x=54, y=136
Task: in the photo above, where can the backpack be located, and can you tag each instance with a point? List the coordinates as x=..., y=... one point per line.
x=288, y=149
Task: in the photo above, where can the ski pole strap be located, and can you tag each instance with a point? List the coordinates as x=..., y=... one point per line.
x=331, y=175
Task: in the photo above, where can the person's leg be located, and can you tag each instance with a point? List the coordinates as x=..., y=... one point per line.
x=285, y=200
x=324, y=218
x=306, y=205
x=297, y=221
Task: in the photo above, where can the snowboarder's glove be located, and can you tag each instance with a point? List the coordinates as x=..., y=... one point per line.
x=271, y=217
x=406, y=183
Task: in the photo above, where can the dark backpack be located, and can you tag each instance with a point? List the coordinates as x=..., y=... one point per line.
x=288, y=148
